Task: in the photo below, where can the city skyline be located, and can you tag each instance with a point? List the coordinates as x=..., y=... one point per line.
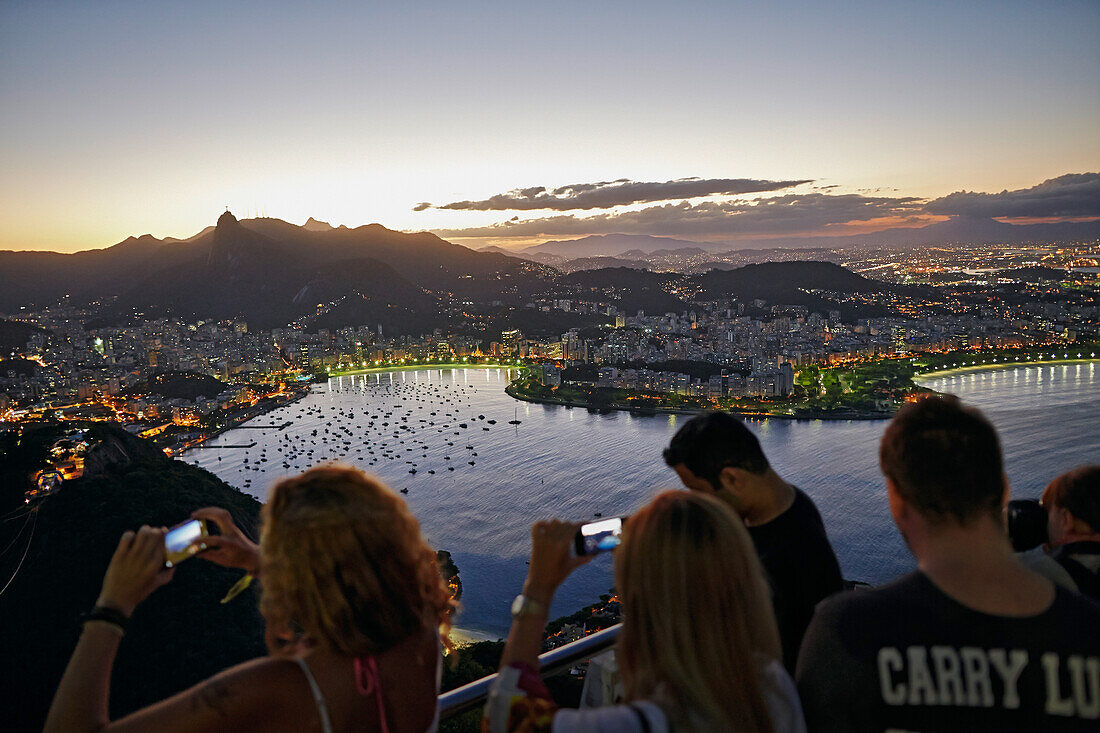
x=703, y=121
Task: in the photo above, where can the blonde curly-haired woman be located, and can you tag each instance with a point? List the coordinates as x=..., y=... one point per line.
x=355, y=608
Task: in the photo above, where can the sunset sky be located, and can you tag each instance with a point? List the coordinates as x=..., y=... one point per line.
x=125, y=118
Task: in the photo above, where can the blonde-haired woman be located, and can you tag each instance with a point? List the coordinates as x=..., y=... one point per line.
x=699, y=649
x=354, y=604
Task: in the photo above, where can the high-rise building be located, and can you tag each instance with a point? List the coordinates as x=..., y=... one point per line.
x=785, y=386
x=510, y=342
x=899, y=339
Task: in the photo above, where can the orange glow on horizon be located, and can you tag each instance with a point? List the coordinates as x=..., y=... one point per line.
x=1022, y=220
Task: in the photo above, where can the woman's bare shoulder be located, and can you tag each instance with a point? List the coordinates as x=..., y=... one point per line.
x=267, y=693
x=265, y=689
x=277, y=681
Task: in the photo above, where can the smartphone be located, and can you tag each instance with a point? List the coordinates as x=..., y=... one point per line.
x=597, y=537
x=184, y=541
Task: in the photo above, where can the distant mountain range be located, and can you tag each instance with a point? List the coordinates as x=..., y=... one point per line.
x=267, y=272
x=492, y=248
x=957, y=229
x=611, y=245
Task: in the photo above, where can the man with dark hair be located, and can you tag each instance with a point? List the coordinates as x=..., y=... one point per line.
x=715, y=453
x=1071, y=555
x=970, y=641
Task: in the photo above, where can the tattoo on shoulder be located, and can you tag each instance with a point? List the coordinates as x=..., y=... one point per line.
x=214, y=695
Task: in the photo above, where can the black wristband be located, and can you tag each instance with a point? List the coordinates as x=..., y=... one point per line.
x=105, y=613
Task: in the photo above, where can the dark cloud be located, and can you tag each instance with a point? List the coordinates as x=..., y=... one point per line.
x=606, y=194
x=791, y=213
x=423, y=205
x=1074, y=194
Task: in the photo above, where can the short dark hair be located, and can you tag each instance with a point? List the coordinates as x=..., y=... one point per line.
x=945, y=459
x=712, y=441
x=1078, y=492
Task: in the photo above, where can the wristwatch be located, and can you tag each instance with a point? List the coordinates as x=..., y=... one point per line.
x=524, y=606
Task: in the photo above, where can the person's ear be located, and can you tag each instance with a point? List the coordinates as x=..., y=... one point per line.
x=731, y=481
x=1006, y=495
x=899, y=509
x=731, y=478
x=1069, y=524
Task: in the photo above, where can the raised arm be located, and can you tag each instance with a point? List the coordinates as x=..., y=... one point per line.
x=551, y=563
x=136, y=570
x=264, y=694
x=518, y=700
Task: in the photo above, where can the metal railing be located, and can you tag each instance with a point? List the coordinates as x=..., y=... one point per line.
x=474, y=694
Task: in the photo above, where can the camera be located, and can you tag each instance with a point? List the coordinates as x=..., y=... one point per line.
x=597, y=537
x=1027, y=524
x=184, y=541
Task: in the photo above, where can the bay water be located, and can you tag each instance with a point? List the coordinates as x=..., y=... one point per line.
x=476, y=482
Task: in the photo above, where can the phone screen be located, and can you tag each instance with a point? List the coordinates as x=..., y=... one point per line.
x=179, y=543
x=598, y=537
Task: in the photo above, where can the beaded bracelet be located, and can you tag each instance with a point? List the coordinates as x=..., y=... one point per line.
x=108, y=615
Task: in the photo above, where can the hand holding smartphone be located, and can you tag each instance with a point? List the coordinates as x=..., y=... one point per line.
x=184, y=541
x=596, y=537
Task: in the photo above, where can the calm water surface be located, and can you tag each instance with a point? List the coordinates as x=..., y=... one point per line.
x=570, y=463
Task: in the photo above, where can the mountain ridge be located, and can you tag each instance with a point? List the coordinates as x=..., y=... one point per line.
x=254, y=269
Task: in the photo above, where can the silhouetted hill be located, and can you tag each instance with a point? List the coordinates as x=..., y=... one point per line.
x=183, y=385
x=1034, y=274
x=180, y=635
x=22, y=367
x=779, y=283
x=772, y=280
x=39, y=278
x=14, y=335
x=273, y=272
x=795, y=283
x=631, y=289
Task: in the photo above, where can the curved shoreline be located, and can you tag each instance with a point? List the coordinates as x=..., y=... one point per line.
x=659, y=410
x=420, y=367
x=1005, y=365
x=653, y=411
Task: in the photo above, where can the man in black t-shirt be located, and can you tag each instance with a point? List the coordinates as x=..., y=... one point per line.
x=972, y=641
x=717, y=454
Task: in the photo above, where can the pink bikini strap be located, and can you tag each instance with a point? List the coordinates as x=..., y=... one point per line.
x=368, y=683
